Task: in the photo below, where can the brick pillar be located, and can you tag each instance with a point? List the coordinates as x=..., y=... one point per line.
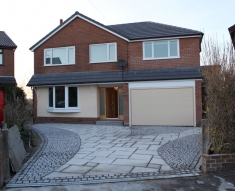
x=126, y=103
x=198, y=88
x=1, y=161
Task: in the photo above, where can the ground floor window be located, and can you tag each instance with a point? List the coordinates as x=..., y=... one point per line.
x=63, y=97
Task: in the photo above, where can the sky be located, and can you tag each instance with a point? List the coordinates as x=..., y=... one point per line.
x=27, y=21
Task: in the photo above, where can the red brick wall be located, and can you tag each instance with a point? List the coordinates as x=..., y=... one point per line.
x=7, y=69
x=189, y=56
x=65, y=120
x=81, y=34
x=198, y=88
x=126, y=103
x=217, y=162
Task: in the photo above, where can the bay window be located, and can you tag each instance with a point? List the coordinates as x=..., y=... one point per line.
x=63, y=99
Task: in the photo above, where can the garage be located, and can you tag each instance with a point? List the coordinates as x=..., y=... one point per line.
x=162, y=106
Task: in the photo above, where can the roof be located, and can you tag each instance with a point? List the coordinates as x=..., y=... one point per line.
x=5, y=41
x=148, y=30
x=115, y=76
x=7, y=80
x=129, y=31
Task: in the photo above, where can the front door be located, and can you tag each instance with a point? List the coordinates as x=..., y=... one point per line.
x=111, y=103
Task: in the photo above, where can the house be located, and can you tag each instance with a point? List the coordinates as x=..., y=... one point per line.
x=232, y=34
x=7, y=50
x=143, y=73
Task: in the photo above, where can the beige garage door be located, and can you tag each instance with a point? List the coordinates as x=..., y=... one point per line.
x=162, y=106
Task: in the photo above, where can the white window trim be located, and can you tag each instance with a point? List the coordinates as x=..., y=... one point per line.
x=67, y=49
x=168, y=41
x=66, y=109
x=115, y=60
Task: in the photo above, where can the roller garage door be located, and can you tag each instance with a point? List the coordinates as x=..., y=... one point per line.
x=162, y=106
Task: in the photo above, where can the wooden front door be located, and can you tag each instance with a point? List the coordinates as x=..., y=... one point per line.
x=111, y=103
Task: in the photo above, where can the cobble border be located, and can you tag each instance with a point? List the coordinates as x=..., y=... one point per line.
x=82, y=180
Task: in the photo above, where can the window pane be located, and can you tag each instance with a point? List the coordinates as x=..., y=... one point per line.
x=48, y=56
x=60, y=97
x=160, y=49
x=112, y=52
x=98, y=53
x=102, y=102
x=71, y=55
x=148, y=50
x=73, y=97
x=59, y=56
x=50, y=97
x=1, y=59
x=173, y=48
x=0, y=50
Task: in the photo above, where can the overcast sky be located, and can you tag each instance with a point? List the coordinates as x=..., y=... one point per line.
x=27, y=21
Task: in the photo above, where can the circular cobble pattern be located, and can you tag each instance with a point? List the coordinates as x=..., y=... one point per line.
x=59, y=146
x=149, y=130
x=182, y=153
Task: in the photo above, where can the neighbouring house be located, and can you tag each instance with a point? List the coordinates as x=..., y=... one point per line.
x=143, y=73
x=7, y=50
x=232, y=34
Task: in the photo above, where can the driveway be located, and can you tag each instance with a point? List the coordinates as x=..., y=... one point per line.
x=84, y=154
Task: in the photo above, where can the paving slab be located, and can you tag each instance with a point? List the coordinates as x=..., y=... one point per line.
x=106, y=169
x=143, y=169
x=102, y=160
x=133, y=162
x=77, y=169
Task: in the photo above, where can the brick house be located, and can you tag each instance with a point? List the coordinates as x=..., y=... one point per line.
x=232, y=34
x=7, y=50
x=142, y=73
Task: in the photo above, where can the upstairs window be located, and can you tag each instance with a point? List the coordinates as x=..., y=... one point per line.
x=1, y=56
x=59, y=56
x=161, y=49
x=103, y=53
x=63, y=98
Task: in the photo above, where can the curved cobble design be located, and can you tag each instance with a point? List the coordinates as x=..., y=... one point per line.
x=149, y=130
x=58, y=147
x=182, y=153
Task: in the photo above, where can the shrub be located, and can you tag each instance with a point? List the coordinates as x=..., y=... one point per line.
x=219, y=80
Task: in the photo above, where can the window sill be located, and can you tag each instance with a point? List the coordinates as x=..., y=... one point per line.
x=104, y=62
x=64, y=110
x=165, y=58
x=58, y=64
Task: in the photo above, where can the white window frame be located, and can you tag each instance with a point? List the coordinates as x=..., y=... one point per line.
x=107, y=48
x=169, y=57
x=67, y=53
x=66, y=109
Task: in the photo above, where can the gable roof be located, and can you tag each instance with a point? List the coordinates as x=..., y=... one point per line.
x=115, y=76
x=129, y=31
x=5, y=41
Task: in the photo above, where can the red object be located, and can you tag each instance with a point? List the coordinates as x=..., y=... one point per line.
x=1, y=105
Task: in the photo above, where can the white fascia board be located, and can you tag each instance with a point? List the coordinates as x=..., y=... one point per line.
x=84, y=20
x=165, y=38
